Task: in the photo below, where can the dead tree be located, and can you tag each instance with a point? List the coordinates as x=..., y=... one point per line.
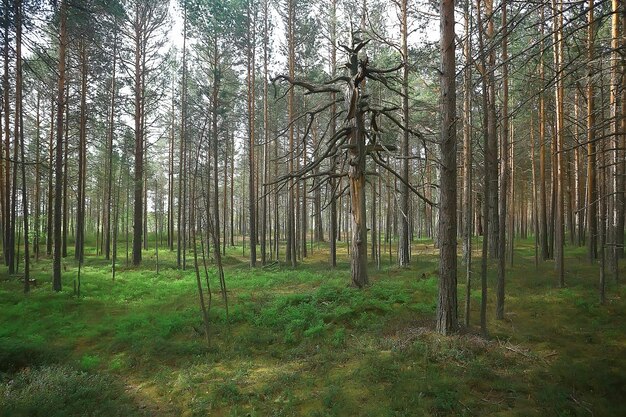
x=352, y=142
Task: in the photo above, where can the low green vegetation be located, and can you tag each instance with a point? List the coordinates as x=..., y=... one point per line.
x=300, y=342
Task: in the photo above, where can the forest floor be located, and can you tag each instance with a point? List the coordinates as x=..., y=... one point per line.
x=300, y=342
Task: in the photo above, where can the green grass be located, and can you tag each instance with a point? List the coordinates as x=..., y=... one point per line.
x=301, y=342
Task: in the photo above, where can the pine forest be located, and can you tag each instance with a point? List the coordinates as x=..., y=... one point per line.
x=312, y=208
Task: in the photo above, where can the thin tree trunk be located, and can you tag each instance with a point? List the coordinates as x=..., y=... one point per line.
x=621, y=225
x=182, y=152
x=214, y=130
x=225, y=201
x=494, y=230
x=534, y=195
x=403, y=243
x=290, y=256
x=8, y=227
x=192, y=222
x=617, y=218
x=66, y=143
x=232, y=190
x=467, y=160
x=51, y=164
x=543, y=200
x=602, y=227
x=559, y=93
x=58, y=188
x=37, y=203
x=110, y=134
x=251, y=132
x=82, y=155
x=19, y=136
x=333, y=129
x=264, y=220
x=504, y=170
x=486, y=181
x=578, y=177
x=592, y=194
x=170, y=180
x=304, y=224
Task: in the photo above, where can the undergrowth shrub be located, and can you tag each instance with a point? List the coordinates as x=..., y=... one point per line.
x=61, y=391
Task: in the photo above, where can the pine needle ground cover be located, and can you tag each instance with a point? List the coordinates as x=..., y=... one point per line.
x=300, y=342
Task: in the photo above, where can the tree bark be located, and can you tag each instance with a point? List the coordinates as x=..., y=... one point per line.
x=264, y=220
x=19, y=136
x=617, y=217
x=290, y=255
x=82, y=154
x=447, y=302
x=494, y=230
x=467, y=160
x=8, y=227
x=215, y=102
x=110, y=134
x=251, y=132
x=486, y=181
x=37, y=204
x=333, y=129
x=58, y=187
x=403, y=243
x=592, y=194
x=504, y=170
x=560, y=182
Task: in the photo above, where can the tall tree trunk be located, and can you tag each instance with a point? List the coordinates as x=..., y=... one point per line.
x=232, y=189
x=333, y=128
x=66, y=159
x=19, y=130
x=447, y=301
x=622, y=188
x=251, y=115
x=487, y=171
x=110, y=134
x=225, y=201
x=82, y=154
x=215, y=101
x=592, y=194
x=304, y=224
x=535, y=207
x=559, y=93
x=180, y=229
x=403, y=243
x=170, y=177
x=37, y=203
x=602, y=227
x=139, y=138
x=543, y=200
x=8, y=228
x=356, y=175
x=578, y=177
x=467, y=159
x=194, y=246
x=504, y=169
x=266, y=138
x=51, y=163
x=617, y=218
x=58, y=187
x=494, y=230
x=290, y=255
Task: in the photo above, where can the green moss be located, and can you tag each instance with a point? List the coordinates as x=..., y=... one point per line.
x=302, y=342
